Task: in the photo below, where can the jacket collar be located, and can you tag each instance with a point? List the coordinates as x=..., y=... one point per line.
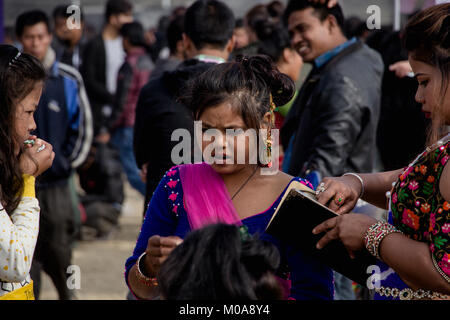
x=327, y=56
x=50, y=63
x=209, y=59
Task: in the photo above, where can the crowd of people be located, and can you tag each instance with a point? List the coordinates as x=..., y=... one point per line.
x=340, y=110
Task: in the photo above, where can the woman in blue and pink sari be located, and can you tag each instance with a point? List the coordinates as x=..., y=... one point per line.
x=240, y=96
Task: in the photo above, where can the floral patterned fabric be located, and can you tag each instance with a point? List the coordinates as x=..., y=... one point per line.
x=418, y=208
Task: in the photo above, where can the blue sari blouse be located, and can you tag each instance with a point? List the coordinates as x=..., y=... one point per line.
x=166, y=216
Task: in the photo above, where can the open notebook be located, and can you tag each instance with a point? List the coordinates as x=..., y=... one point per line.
x=295, y=218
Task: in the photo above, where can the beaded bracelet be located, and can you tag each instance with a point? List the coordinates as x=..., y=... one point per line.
x=375, y=234
x=150, y=282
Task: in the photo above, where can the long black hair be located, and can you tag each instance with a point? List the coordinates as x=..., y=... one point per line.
x=220, y=262
x=19, y=73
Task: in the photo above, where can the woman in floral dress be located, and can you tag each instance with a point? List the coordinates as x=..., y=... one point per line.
x=413, y=247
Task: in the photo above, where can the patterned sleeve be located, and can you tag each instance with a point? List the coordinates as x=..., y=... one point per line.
x=18, y=235
x=439, y=229
x=159, y=218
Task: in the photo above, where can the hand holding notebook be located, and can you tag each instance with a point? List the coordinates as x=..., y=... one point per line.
x=295, y=218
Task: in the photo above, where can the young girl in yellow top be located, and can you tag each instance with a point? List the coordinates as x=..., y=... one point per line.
x=22, y=158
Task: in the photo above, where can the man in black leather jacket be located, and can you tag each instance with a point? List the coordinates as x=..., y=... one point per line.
x=331, y=128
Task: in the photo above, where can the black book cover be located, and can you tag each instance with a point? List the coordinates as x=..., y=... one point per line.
x=293, y=222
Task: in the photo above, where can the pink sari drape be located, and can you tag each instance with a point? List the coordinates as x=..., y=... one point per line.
x=206, y=198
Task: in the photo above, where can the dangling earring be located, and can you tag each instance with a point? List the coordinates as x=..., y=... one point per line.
x=268, y=141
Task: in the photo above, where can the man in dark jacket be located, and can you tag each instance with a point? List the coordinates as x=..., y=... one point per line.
x=331, y=128
x=103, y=57
x=68, y=41
x=133, y=75
x=63, y=118
x=208, y=39
x=175, y=45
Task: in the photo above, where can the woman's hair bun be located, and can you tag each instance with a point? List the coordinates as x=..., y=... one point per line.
x=280, y=85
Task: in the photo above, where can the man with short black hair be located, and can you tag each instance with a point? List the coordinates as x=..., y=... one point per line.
x=102, y=60
x=176, y=49
x=132, y=76
x=101, y=176
x=331, y=127
x=68, y=41
x=208, y=39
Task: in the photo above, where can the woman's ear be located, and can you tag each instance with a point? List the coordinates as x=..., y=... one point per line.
x=189, y=47
x=231, y=44
x=181, y=51
x=290, y=57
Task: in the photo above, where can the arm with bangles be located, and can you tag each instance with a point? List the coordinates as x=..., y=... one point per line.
x=372, y=189
x=142, y=280
x=376, y=185
x=155, y=242
x=411, y=259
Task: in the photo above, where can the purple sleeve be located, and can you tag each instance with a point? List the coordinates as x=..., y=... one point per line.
x=159, y=220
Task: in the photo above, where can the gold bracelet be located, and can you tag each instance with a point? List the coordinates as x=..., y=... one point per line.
x=150, y=282
x=375, y=234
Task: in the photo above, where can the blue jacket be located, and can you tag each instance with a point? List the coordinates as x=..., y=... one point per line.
x=63, y=118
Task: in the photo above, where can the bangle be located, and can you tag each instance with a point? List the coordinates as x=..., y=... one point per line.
x=360, y=180
x=148, y=281
x=375, y=234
